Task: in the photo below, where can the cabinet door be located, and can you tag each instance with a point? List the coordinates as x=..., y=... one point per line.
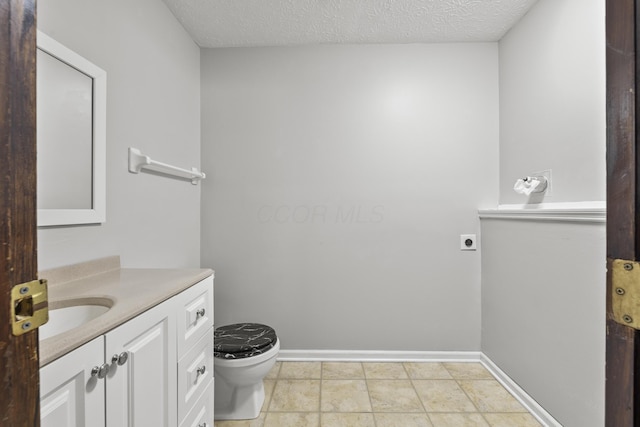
x=141, y=392
x=69, y=395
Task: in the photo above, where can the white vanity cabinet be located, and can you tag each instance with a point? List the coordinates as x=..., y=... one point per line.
x=160, y=370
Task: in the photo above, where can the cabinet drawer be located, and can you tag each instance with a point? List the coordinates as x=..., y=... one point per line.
x=195, y=371
x=195, y=314
x=202, y=413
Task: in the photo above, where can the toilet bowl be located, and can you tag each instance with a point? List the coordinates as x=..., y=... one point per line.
x=244, y=353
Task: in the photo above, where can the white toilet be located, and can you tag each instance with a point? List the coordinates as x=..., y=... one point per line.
x=244, y=354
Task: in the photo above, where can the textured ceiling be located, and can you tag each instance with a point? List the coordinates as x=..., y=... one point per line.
x=227, y=23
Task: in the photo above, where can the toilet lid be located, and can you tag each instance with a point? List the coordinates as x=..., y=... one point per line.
x=242, y=340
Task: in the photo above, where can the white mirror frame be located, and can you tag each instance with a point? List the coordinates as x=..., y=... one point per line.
x=97, y=213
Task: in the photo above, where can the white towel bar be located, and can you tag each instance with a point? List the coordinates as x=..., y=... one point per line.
x=138, y=161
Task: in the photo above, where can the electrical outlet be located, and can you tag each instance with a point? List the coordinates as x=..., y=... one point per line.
x=468, y=242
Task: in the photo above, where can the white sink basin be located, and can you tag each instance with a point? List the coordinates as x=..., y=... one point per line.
x=64, y=319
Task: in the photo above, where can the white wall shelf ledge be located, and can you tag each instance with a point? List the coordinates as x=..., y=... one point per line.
x=138, y=162
x=594, y=212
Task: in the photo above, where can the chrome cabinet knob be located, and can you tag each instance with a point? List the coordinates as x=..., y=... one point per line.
x=120, y=359
x=100, y=371
x=203, y=425
x=200, y=313
x=201, y=370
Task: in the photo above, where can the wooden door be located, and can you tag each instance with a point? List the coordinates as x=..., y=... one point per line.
x=623, y=199
x=19, y=400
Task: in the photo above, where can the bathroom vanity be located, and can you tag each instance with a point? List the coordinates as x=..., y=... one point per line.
x=147, y=360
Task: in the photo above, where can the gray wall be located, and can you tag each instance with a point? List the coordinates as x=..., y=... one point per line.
x=341, y=179
x=153, y=103
x=543, y=283
x=552, y=100
x=543, y=299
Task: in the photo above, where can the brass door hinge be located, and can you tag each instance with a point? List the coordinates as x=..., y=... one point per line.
x=29, y=306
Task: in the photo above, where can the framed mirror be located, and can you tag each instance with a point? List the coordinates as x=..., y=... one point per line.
x=71, y=136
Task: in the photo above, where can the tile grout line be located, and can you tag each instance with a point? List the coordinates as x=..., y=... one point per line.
x=320, y=396
x=469, y=397
x=418, y=394
x=457, y=380
x=273, y=389
x=415, y=390
x=472, y=402
x=479, y=411
x=366, y=383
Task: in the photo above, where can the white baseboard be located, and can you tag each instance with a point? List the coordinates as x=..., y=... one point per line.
x=424, y=356
x=377, y=356
x=512, y=387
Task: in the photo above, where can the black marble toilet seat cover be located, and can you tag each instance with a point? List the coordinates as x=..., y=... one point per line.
x=242, y=340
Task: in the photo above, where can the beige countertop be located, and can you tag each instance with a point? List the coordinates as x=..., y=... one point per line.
x=128, y=291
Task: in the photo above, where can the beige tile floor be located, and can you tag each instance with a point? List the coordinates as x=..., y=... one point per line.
x=351, y=394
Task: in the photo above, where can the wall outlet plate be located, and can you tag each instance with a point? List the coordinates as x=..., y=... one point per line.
x=468, y=242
